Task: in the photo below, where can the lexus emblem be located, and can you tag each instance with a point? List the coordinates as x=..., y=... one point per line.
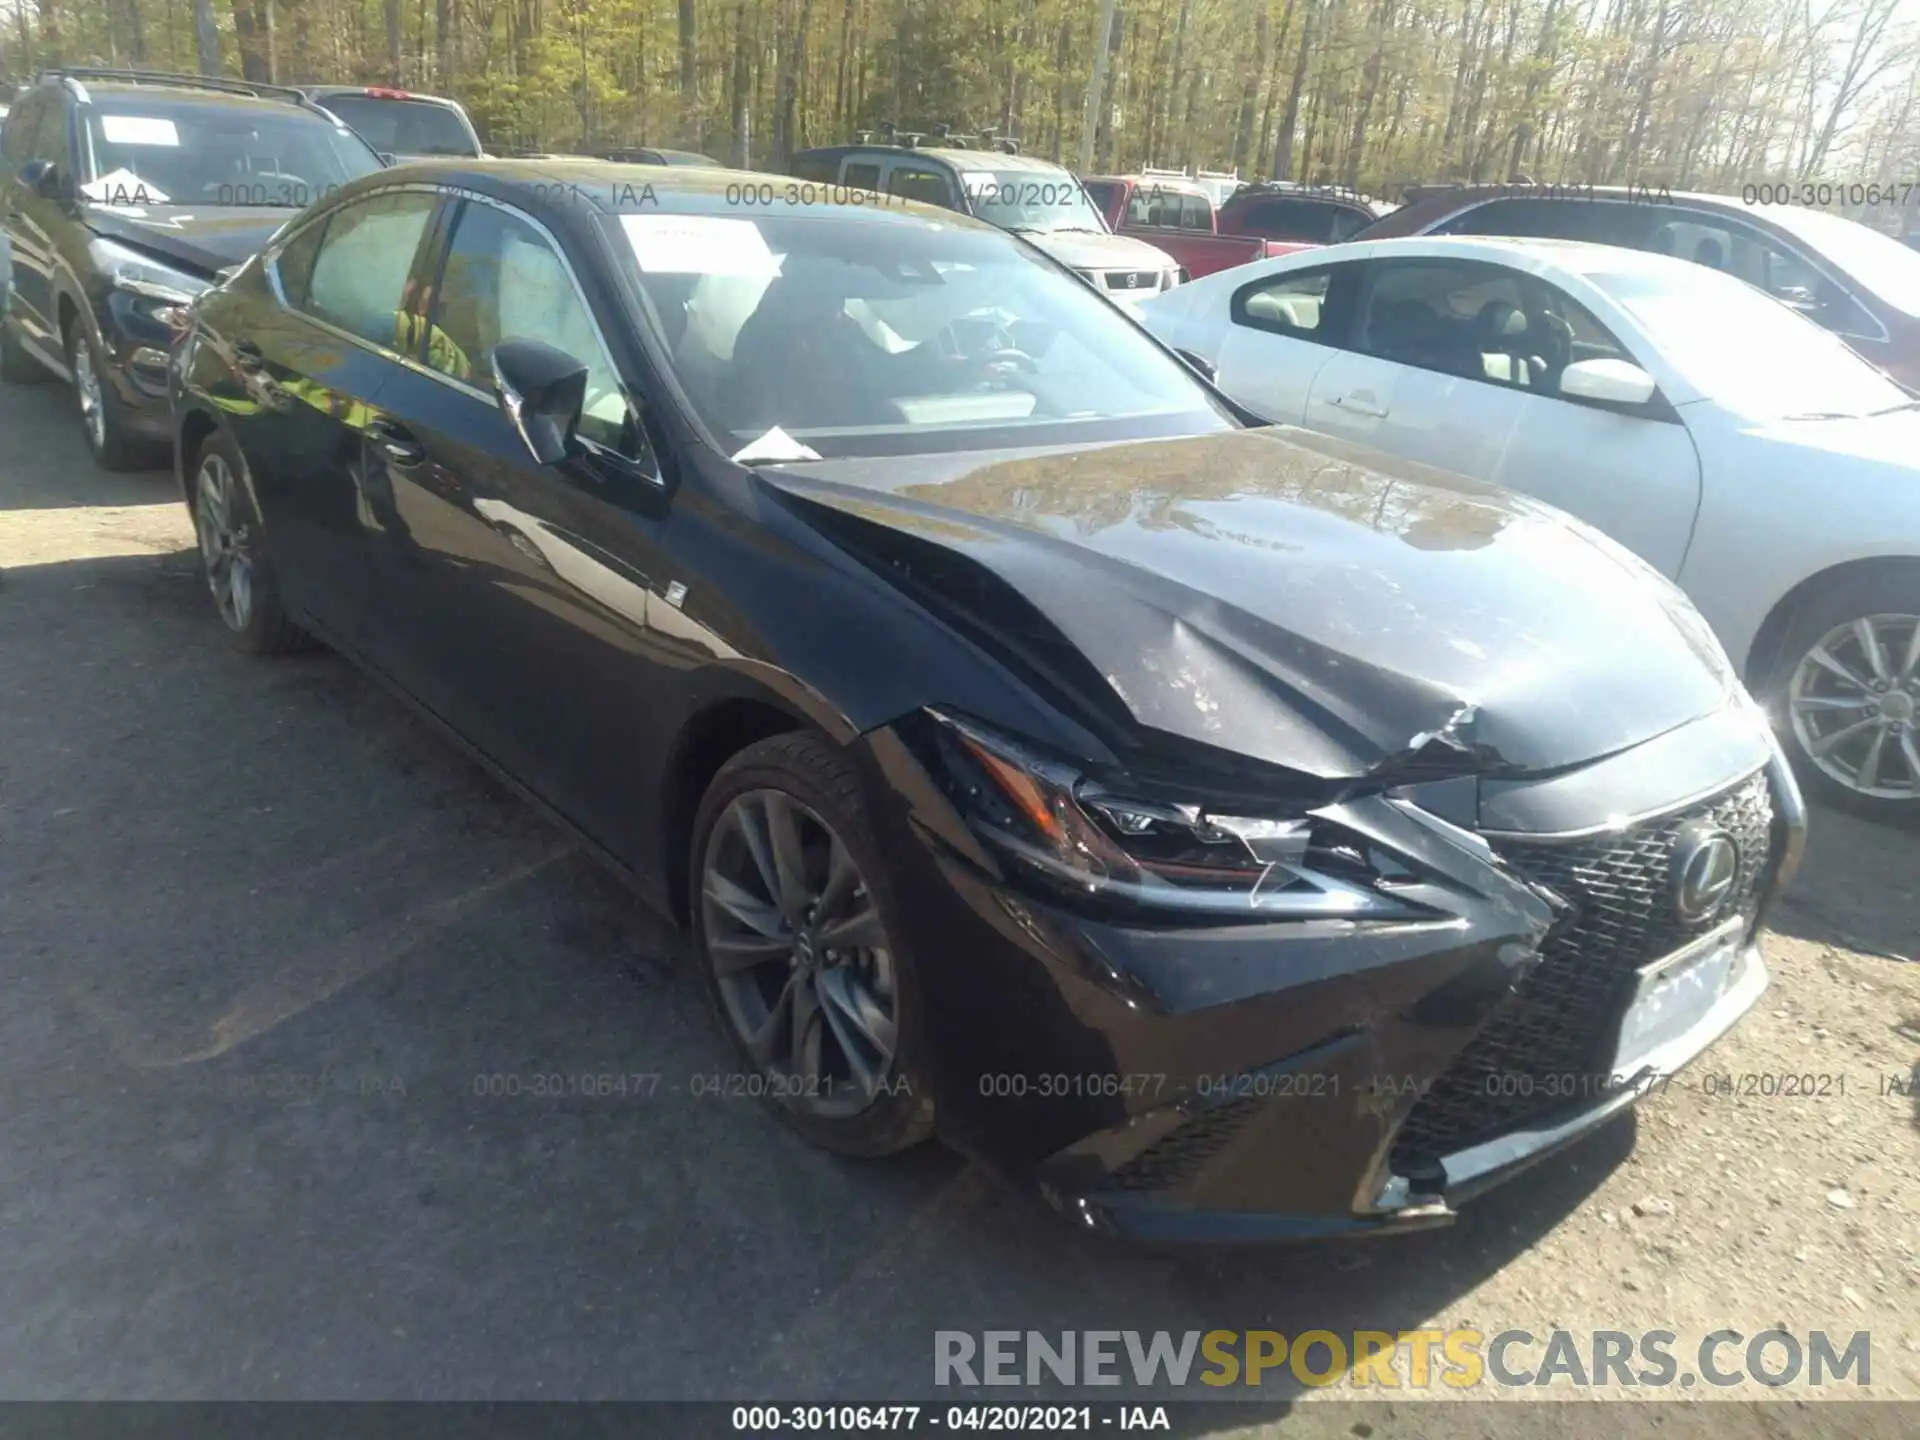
x=1133, y=279
x=1706, y=862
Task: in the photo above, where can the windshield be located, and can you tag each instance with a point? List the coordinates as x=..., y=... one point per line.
x=798, y=337
x=153, y=153
x=403, y=127
x=1878, y=262
x=1030, y=200
x=1748, y=351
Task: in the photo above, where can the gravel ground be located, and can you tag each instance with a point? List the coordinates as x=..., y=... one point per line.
x=260, y=931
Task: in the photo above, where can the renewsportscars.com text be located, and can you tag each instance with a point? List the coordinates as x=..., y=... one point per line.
x=1459, y=1359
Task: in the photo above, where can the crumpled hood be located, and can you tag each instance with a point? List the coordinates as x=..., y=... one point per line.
x=1085, y=250
x=203, y=239
x=1266, y=592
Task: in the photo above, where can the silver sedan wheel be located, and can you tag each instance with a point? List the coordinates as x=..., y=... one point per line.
x=226, y=546
x=802, y=959
x=1855, y=705
x=86, y=384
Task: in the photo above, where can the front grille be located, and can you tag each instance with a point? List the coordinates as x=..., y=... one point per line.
x=1563, y=1016
x=1140, y=280
x=1177, y=1156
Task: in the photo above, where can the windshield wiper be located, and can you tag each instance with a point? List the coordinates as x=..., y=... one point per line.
x=1893, y=409
x=1831, y=415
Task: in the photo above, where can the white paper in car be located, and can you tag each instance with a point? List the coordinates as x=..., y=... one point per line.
x=775, y=446
x=965, y=409
x=139, y=130
x=123, y=187
x=698, y=245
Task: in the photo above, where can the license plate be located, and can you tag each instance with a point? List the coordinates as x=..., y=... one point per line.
x=1673, y=995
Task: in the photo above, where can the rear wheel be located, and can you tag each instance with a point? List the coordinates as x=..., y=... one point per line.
x=795, y=932
x=1847, y=692
x=232, y=556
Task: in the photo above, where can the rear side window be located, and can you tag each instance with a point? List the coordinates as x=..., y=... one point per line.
x=1195, y=213
x=1603, y=222
x=1291, y=218
x=359, y=277
x=504, y=281
x=1293, y=304
x=814, y=167
x=862, y=176
x=1104, y=193
x=917, y=182
x=293, y=266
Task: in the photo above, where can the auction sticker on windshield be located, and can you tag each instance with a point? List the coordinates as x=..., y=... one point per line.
x=139, y=130
x=699, y=245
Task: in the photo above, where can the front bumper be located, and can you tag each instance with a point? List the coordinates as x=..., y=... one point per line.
x=1299, y=1079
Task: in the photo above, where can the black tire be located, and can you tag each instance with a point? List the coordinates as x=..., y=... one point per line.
x=807, y=768
x=264, y=629
x=17, y=367
x=1884, y=593
x=111, y=446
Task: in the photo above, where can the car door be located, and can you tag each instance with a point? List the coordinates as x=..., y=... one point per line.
x=526, y=598
x=312, y=367
x=1424, y=376
x=1281, y=331
x=38, y=131
x=1631, y=471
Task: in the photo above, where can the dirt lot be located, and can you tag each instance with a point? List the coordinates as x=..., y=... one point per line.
x=262, y=934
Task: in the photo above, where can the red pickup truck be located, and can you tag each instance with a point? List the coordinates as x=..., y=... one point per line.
x=1176, y=216
x=1259, y=220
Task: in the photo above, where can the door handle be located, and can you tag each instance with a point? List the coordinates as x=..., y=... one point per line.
x=396, y=444
x=1361, y=402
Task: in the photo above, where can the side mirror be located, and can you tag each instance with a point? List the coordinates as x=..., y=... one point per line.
x=42, y=177
x=1612, y=382
x=386, y=158
x=1206, y=367
x=542, y=390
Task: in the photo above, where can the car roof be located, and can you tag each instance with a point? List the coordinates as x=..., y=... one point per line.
x=1581, y=257
x=1178, y=184
x=1426, y=210
x=177, y=96
x=615, y=188
x=959, y=159
x=376, y=92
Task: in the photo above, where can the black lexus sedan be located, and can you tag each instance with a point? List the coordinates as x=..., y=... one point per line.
x=1237, y=836
x=124, y=194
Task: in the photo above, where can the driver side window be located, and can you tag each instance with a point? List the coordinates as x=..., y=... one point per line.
x=503, y=280
x=359, y=278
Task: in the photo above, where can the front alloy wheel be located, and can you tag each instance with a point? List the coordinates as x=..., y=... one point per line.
x=802, y=960
x=800, y=950
x=1854, y=704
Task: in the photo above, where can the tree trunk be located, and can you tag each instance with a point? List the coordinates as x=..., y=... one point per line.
x=690, y=72
x=1243, y=126
x=393, y=42
x=742, y=117
x=1283, y=147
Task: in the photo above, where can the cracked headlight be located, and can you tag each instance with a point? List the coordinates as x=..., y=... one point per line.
x=1098, y=839
x=159, y=292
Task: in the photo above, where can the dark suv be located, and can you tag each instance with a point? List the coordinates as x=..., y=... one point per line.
x=124, y=195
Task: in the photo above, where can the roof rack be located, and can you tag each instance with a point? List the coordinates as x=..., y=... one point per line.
x=889, y=133
x=181, y=81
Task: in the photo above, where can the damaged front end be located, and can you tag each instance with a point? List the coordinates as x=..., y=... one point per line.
x=1333, y=877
